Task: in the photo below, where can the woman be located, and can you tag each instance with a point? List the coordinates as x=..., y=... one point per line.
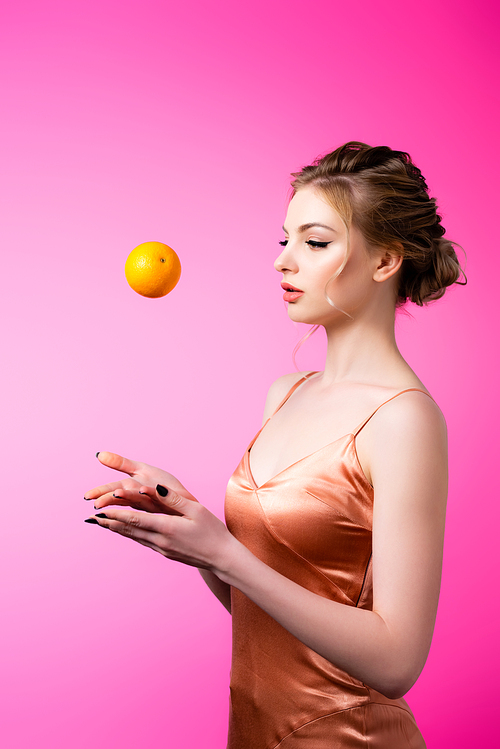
x=331, y=559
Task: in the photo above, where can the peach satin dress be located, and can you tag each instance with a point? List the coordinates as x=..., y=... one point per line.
x=313, y=524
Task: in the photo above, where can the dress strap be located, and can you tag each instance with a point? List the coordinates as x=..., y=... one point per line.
x=292, y=389
x=360, y=427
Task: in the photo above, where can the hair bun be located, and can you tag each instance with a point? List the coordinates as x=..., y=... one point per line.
x=426, y=281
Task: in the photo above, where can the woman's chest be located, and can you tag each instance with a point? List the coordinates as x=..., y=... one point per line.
x=318, y=510
x=302, y=430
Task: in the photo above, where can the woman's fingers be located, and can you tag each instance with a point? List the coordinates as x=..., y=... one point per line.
x=139, y=498
x=152, y=502
x=128, y=488
x=159, y=500
x=103, y=489
x=129, y=523
x=145, y=528
x=171, y=502
x=139, y=472
x=196, y=537
x=119, y=463
x=152, y=531
x=134, y=498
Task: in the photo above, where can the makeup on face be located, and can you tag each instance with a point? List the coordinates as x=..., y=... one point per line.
x=324, y=270
x=311, y=237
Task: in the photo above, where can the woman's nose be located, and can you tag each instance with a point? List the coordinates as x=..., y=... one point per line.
x=285, y=261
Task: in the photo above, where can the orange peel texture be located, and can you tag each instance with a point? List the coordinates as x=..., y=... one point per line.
x=153, y=269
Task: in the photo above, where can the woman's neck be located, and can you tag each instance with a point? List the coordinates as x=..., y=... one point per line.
x=361, y=350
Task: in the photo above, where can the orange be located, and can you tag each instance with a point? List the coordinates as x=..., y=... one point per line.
x=153, y=269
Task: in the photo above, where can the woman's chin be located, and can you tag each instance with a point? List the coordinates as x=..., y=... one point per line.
x=297, y=316
x=320, y=318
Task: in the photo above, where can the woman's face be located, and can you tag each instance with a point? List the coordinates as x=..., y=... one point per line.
x=315, y=248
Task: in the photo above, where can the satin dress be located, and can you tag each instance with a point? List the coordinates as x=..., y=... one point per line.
x=311, y=523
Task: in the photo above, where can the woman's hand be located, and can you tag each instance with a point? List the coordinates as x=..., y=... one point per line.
x=174, y=524
x=137, y=491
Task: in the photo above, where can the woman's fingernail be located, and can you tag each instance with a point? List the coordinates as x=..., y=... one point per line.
x=116, y=496
x=142, y=492
x=161, y=490
x=91, y=520
x=101, y=515
x=97, y=454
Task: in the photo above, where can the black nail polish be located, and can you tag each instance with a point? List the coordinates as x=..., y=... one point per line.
x=91, y=520
x=101, y=515
x=144, y=493
x=161, y=490
x=97, y=454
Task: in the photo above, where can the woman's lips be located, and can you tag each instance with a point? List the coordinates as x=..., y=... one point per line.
x=291, y=292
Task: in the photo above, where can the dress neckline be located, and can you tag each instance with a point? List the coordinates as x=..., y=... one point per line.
x=351, y=435
x=300, y=460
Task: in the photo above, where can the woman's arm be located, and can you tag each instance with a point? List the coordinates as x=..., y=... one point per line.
x=221, y=590
x=385, y=648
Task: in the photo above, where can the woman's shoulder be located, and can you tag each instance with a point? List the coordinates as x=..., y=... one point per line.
x=279, y=389
x=414, y=407
x=401, y=430
x=412, y=417
x=405, y=401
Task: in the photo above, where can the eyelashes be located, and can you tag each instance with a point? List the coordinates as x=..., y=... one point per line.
x=310, y=242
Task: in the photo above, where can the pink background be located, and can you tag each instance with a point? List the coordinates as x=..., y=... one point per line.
x=131, y=121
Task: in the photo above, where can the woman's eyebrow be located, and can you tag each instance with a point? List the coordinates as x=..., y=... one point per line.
x=305, y=227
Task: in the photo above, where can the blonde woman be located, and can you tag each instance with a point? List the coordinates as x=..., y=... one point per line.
x=330, y=562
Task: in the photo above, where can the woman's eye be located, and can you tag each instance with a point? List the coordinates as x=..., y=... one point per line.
x=312, y=243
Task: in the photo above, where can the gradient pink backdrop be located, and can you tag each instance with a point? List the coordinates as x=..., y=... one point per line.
x=131, y=121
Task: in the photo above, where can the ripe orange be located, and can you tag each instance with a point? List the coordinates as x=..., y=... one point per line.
x=153, y=269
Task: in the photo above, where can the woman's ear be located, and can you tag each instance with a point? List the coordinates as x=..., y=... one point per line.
x=389, y=262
